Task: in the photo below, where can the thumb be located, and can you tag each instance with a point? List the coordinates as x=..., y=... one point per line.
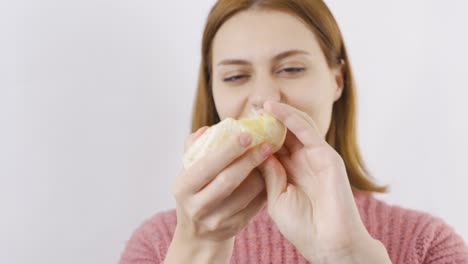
x=275, y=178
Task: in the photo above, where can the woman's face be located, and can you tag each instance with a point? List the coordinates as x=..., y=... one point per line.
x=270, y=55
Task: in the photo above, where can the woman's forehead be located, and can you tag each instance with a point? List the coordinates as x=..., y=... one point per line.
x=255, y=35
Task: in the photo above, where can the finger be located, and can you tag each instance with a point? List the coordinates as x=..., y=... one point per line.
x=275, y=178
x=291, y=143
x=297, y=122
x=290, y=170
x=204, y=170
x=194, y=136
x=242, y=196
x=283, y=151
x=224, y=184
x=244, y=216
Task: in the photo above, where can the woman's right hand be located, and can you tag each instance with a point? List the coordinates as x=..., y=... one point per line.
x=219, y=194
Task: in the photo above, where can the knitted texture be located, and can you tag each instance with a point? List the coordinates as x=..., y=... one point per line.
x=409, y=236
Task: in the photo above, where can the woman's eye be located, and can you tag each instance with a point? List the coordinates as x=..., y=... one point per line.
x=293, y=70
x=234, y=78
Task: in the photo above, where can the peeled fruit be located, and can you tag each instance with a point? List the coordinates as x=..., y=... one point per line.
x=261, y=127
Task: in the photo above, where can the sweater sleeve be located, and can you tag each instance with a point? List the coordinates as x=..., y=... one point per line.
x=445, y=246
x=149, y=242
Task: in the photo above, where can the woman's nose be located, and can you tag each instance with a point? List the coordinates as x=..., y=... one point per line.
x=264, y=89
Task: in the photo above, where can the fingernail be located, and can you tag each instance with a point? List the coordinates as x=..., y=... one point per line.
x=198, y=132
x=245, y=140
x=265, y=149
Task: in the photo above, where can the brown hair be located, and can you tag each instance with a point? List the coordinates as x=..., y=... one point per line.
x=315, y=13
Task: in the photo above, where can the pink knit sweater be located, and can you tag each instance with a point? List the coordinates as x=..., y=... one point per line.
x=410, y=237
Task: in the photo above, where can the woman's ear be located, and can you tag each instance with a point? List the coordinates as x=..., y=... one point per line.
x=338, y=73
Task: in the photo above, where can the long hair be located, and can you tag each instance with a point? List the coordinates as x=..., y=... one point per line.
x=342, y=134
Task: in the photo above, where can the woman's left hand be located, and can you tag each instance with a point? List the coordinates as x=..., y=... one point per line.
x=310, y=198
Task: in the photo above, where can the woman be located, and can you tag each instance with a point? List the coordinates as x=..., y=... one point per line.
x=310, y=201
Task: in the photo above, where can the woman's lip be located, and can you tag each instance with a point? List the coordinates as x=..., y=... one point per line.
x=252, y=112
x=256, y=111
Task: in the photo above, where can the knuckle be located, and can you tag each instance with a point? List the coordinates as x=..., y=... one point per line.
x=194, y=212
x=224, y=182
x=213, y=224
x=177, y=191
x=255, y=158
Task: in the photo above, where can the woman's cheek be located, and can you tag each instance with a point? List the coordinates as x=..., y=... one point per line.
x=229, y=103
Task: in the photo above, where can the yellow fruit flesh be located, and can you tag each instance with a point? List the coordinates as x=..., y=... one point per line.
x=262, y=128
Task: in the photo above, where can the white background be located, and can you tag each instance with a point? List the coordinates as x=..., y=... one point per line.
x=95, y=102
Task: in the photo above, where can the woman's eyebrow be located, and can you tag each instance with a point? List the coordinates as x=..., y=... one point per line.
x=276, y=58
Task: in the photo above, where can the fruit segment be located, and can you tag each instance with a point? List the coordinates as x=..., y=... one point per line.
x=262, y=127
